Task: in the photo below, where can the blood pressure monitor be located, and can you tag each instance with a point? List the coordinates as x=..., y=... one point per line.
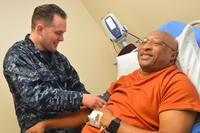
x=114, y=29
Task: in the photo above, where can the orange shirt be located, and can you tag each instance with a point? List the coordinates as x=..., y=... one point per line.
x=139, y=100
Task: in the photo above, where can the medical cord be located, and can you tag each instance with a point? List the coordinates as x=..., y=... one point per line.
x=138, y=40
x=132, y=35
x=114, y=46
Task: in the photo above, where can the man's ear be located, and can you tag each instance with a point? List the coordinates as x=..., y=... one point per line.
x=174, y=55
x=39, y=29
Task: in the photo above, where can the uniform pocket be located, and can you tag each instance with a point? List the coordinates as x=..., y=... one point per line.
x=45, y=75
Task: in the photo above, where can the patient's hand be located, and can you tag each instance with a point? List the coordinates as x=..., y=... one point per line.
x=37, y=128
x=107, y=116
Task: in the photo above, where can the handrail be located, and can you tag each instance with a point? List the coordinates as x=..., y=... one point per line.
x=195, y=22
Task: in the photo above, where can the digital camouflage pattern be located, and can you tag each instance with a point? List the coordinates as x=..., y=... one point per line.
x=41, y=87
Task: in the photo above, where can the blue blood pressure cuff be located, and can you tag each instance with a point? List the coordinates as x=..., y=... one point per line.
x=105, y=96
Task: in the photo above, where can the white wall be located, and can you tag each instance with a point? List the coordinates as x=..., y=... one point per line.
x=85, y=45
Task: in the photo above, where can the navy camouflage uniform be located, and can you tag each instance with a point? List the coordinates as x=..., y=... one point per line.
x=43, y=85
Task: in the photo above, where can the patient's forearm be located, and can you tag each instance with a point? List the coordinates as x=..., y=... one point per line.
x=70, y=120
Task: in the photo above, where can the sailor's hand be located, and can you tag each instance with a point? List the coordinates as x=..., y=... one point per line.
x=92, y=101
x=37, y=128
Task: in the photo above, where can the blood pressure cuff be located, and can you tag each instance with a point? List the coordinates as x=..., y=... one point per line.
x=105, y=96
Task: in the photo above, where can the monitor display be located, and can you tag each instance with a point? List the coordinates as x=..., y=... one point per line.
x=110, y=23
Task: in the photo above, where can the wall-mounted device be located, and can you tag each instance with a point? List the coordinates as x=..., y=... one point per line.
x=114, y=29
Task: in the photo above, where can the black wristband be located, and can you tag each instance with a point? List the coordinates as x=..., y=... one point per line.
x=114, y=125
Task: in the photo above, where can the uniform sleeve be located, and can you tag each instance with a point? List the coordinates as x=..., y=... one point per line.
x=74, y=80
x=40, y=91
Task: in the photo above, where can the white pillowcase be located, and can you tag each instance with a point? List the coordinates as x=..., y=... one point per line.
x=187, y=60
x=127, y=63
x=188, y=57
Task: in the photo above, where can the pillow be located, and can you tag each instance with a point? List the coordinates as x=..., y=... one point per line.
x=127, y=63
x=187, y=59
x=175, y=28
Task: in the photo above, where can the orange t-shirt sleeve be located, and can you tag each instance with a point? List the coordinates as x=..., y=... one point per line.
x=180, y=93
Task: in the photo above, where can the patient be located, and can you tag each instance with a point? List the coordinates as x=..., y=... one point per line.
x=158, y=97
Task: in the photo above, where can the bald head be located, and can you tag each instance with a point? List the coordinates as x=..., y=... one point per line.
x=157, y=51
x=167, y=38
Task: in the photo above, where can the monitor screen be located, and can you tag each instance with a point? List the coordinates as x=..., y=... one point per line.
x=110, y=23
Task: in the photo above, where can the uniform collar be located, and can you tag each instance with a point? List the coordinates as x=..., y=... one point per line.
x=29, y=43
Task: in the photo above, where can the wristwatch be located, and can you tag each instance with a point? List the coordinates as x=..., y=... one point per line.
x=114, y=125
